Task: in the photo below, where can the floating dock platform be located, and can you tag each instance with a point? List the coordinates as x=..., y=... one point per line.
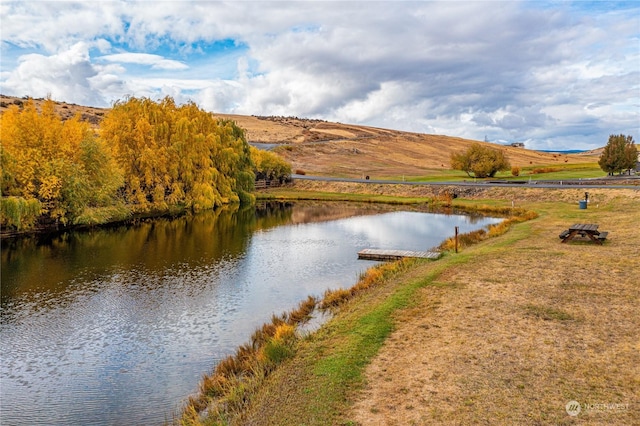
x=379, y=254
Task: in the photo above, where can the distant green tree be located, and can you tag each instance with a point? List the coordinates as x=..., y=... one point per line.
x=480, y=161
x=619, y=154
x=630, y=155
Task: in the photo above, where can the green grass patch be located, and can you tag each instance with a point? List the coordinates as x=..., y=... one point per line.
x=559, y=171
x=556, y=172
x=295, y=194
x=548, y=313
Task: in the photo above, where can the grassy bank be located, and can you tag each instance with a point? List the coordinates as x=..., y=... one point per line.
x=293, y=193
x=552, y=171
x=506, y=331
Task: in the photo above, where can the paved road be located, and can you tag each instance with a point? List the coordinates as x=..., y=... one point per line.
x=533, y=184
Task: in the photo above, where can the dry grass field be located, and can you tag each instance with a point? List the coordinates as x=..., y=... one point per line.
x=335, y=149
x=520, y=328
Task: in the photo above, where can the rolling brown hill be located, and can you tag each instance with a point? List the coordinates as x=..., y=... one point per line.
x=324, y=148
x=63, y=109
x=319, y=147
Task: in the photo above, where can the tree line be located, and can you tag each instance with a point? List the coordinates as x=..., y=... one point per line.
x=145, y=157
x=620, y=154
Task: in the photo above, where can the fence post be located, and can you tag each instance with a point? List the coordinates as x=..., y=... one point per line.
x=456, y=239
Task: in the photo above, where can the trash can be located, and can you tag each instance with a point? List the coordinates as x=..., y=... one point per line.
x=583, y=204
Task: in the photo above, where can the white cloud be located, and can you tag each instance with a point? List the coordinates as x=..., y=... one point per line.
x=154, y=61
x=376, y=105
x=550, y=73
x=66, y=76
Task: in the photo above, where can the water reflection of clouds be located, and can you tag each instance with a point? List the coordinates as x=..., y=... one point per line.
x=291, y=262
x=408, y=230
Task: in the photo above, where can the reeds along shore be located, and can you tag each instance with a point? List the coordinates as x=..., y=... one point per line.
x=516, y=215
x=225, y=393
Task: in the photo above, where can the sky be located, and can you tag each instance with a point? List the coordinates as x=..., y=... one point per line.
x=553, y=74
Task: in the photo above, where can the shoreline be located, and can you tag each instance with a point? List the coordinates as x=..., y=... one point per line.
x=383, y=192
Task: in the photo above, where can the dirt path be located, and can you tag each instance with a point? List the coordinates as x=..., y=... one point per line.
x=556, y=323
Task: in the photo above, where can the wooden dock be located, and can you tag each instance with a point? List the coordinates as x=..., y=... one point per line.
x=379, y=254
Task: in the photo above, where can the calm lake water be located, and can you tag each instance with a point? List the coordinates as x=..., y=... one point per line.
x=117, y=326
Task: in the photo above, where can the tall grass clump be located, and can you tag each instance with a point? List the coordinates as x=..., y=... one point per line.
x=225, y=393
x=541, y=170
x=443, y=199
x=371, y=277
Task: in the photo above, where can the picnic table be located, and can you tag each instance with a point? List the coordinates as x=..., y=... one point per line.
x=584, y=230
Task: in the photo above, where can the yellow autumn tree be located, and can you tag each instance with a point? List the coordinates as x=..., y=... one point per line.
x=60, y=164
x=270, y=166
x=177, y=155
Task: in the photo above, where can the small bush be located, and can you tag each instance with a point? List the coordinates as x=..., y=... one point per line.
x=285, y=333
x=515, y=171
x=229, y=367
x=541, y=170
x=276, y=351
x=214, y=386
x=445, y=199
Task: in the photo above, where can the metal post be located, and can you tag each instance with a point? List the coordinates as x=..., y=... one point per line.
x=456, y=239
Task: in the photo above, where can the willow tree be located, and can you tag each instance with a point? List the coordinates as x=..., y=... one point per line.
x=270, y=166
x=177, y=155
x=60, y=164
x=235, y=161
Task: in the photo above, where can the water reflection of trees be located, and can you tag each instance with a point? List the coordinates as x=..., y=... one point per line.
x=323, y=211
x=51, y=262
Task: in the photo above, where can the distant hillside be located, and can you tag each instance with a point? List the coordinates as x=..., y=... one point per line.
x=65, y=110
x=326, y=148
